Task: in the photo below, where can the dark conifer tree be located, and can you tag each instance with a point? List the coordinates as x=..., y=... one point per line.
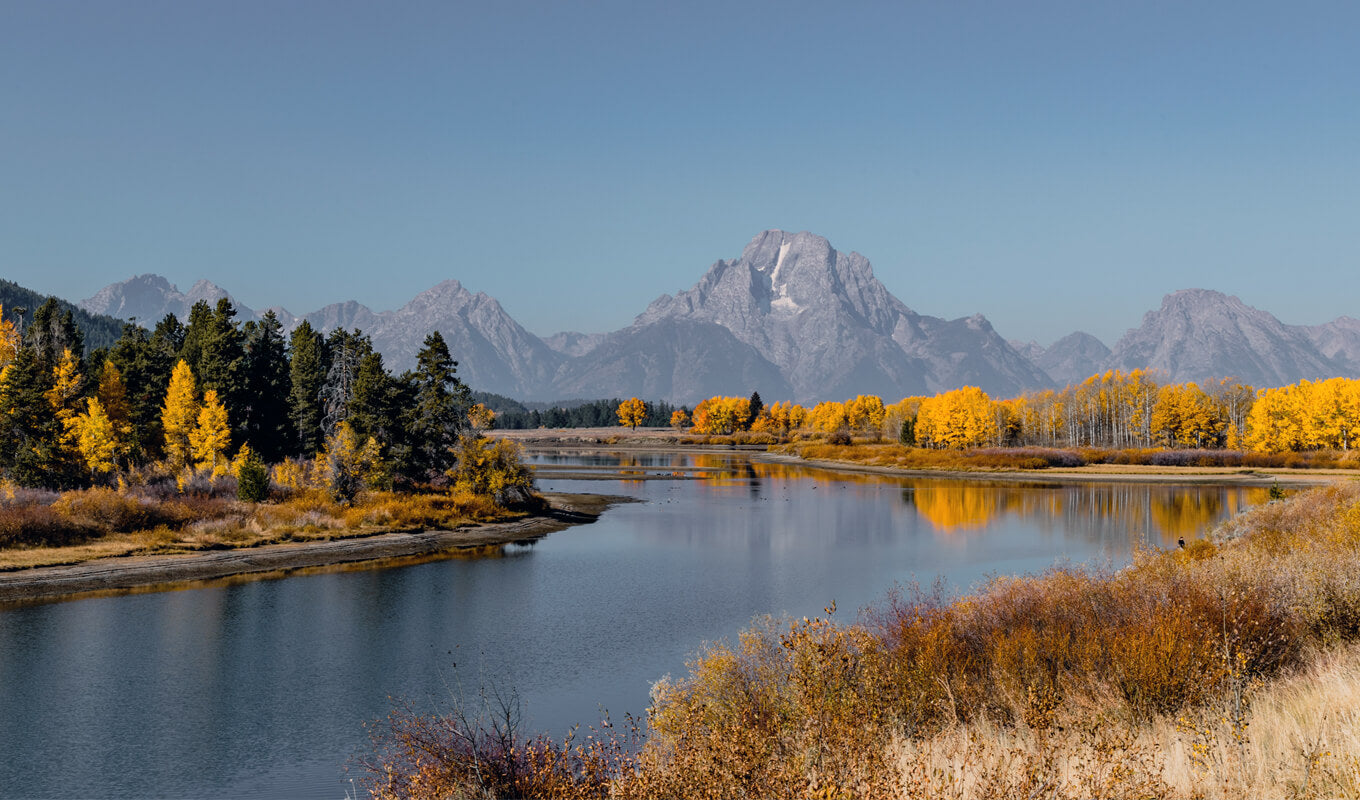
x=307, y=366
x=145, y=377
x=194, y=336
x=30, y=448
x=757, y=405
x=268, y=427
x=439, y=413
x=221, y=364
x=52, y=332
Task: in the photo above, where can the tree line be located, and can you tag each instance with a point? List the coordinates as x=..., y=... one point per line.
x=212, y=390
x=1115, y=409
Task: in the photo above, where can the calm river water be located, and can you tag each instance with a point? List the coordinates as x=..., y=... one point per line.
x=263, y=688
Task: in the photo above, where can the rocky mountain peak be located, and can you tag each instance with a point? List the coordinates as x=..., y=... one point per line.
x=1201, y=333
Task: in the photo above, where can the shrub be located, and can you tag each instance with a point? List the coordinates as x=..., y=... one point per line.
x=106, y=510
x=252, y=481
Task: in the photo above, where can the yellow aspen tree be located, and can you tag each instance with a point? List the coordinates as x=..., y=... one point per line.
x=1273, y=424
x=632, y=412
x=481, y=418
x=679, y=419
x=957, y=419
x=97, y=438
x=112, y=394
x=865, y=413
x=64, y=398
x=211, y=436
x=828, y=417
x=10, y=341
x=179, y=416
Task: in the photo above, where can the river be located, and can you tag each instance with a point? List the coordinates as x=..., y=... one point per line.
x=262, y=688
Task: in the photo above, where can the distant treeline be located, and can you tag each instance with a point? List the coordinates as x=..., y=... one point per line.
x=515, y=415
x=98, y=331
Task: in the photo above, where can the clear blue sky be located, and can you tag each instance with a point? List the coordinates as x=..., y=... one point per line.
x=1055, y=166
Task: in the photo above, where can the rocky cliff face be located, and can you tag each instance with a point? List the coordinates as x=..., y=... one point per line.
x=1338, y=340
x=1200, y=334
x=1073, y=358
x=493, y=351
x=794, y=318
x=833, y=330
x=150, y=297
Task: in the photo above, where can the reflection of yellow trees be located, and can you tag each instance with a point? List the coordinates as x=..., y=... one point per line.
x=958, y=506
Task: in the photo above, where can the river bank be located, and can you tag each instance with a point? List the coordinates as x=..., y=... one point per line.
x=165, y=572
x=667, y=441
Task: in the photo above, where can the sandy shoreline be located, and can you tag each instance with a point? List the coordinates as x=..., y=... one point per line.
x=160, y=572
x=1099, y=473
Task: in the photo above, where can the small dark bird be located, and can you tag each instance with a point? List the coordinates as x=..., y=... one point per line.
x=1181, y=542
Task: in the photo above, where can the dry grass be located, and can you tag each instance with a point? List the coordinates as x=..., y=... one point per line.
x=1228, y=669
x=82, y=525
x=1298, y=738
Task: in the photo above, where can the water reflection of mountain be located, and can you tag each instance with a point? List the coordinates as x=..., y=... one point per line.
x=758, y=504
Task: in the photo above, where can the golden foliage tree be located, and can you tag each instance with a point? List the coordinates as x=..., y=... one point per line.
x=64, y=398
x=956, y=420
x=865, y=414
x=481, y=418
x=210, y=438
x=719, y=416
x=347, y=465
x=632, y=412
x=97, y=438
x=828, y=417
x=492, y=468
x=10, y=341
x=679, y=419
x=179, y=416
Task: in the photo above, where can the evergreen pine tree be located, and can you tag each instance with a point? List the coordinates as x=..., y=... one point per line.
x=307, y=367
x=268, y=427
x=30, y=435
x=439, y=413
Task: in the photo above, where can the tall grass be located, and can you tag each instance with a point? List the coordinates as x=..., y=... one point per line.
x=156, y=516
x=1212, y=671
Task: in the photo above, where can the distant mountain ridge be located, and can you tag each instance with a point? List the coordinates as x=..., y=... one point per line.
x=796, y=319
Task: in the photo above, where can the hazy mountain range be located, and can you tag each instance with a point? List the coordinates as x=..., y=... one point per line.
x=794, y=318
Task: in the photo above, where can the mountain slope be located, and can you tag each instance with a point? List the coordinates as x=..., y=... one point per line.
x=494, y=352
x=834, y=330
x=149, y=298
x=1199, y=334
x=1073, y=358
x=683, y=361
x=100, y=330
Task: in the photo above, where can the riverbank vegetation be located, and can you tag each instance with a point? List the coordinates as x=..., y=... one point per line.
x=220, y=435
x=1112, y=418
x=1229, y=668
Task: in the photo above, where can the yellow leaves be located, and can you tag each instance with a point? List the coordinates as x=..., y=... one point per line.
x=720, y=416
x=828, y=417
x=350, y=465
x=96, y=438
x=865, y=414
x=958, y=419
x=491, y=468
x=1305, y=416
x=1184, y=416
x=679, y=419
x=632, y=412
x=10, y=341
x=480, y=417
x=211, y=436
x=179, y=416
